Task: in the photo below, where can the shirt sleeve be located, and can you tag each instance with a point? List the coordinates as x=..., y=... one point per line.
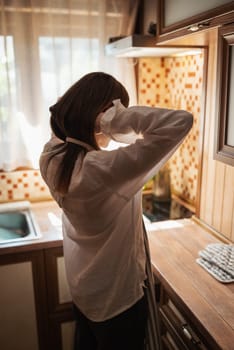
x=153, y=135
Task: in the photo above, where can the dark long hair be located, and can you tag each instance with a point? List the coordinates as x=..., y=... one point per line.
x=75, y=113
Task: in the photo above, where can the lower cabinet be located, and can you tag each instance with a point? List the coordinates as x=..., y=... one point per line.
x=60, y=314
x=36, y=308
x=35, y=303
x=178, y=331
x=23, y=313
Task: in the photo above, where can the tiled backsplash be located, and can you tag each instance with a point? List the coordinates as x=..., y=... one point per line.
x=22, y=185
x=172, y=82
x=176, y=82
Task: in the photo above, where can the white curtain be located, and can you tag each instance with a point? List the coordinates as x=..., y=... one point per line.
x=45, y=46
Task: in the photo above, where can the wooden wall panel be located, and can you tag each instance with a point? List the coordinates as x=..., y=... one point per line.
x=218, y=195
x=217, y=185
x=208, y=168
x=227, y=218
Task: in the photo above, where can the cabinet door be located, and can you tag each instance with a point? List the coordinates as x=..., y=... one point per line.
x=173, y=15
x=57, y=287
x=22, y=310
x=61, y=323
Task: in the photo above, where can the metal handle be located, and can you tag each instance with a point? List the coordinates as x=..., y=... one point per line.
x=195, y=27
x=186, y=332
x=192, y=338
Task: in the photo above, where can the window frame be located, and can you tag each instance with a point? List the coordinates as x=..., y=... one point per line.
x=222, y=151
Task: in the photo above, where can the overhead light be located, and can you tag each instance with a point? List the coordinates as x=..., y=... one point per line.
x=144, y=46
x=189, y=52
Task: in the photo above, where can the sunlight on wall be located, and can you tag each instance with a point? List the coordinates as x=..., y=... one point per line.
x=176, y=82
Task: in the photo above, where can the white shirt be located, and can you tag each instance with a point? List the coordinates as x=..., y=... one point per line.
x=102, y=211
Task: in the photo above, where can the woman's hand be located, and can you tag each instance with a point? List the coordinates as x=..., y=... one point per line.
x=97, y=123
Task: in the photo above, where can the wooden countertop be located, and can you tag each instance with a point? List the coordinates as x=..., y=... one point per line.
x=209, y=303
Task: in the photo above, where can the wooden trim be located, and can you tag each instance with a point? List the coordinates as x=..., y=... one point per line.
x=51, y=267
x=202, y=130
x=225, y=153
x=211, y=230
x=160, y=16
x=55, y=334
x=139, y=22
x=203, y=16
x=222, y=151
x=39, y=283
x=181, y=201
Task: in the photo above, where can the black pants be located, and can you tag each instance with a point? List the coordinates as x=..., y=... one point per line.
x=125, y=331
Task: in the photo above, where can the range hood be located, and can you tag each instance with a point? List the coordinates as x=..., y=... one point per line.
x=145, y=46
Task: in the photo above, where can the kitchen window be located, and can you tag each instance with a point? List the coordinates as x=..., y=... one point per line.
x=44, y=48
x=224, y=141
x=7, y=78
x=69, y=63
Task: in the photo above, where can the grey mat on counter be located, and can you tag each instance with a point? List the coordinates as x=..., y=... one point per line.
x=218, y=260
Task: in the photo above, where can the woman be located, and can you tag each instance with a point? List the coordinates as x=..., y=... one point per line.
x=99, y=192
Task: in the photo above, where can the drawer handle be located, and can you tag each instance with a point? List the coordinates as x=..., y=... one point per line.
x=189, y=336
x=187, y=333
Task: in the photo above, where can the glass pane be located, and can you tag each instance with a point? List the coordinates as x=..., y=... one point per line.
x=230, y=107
x=7, y=84
x=63, y=61
x=182, y=9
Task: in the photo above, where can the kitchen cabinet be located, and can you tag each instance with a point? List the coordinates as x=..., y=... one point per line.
x=196, y=311
x=22, y=302
x=176, y=18
x=177, y=329
x=35, y=303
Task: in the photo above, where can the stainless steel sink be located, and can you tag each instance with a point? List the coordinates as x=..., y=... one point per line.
x=17, y=224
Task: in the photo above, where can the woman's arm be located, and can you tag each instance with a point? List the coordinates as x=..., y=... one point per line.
x=129, y=124
x=153, y=135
